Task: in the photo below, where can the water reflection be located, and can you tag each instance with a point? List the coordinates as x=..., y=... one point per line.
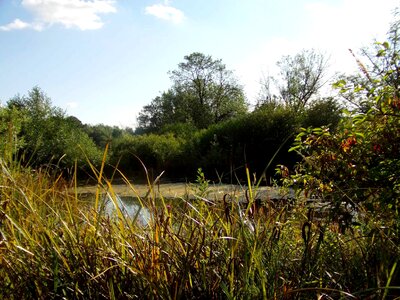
x=130, y=208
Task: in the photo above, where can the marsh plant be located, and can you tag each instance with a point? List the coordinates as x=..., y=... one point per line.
x=56, y=245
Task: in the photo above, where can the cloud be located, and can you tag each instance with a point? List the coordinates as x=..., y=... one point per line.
x=17, y=24
x=69, y=13
x=166, y=12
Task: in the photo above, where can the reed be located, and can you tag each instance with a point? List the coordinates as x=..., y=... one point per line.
x=55, y=245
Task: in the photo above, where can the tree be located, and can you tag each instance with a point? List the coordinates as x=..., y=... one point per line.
x=300, y=78
x=39, y=116
x=169, y=108
x=102, y=134
x=204, y=92
x=47, y=134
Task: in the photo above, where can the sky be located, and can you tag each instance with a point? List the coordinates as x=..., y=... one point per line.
x=103, y=60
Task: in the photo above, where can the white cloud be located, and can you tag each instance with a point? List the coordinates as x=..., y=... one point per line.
x=69, y=13
x=166, y=12
x=17, y=24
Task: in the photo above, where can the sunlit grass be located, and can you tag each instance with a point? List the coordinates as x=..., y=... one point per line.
x=56, y=245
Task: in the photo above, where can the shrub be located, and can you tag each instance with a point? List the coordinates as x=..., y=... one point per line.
x=254, y=139
x=356, y=169
x=157, y=152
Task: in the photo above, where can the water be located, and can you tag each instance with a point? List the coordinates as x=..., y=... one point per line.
x=130, y=208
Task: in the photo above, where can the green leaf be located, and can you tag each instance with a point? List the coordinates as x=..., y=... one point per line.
x=381, y=53
x=359, y=134
x=386, y=45
x=294, y=148
x=339, y=84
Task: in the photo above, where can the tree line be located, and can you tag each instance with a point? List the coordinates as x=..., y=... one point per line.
x=202, y=120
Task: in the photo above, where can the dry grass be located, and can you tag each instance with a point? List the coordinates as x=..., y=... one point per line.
x=54, y=246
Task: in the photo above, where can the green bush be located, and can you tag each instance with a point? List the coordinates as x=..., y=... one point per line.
x=10, y=127
x=157, y=152
x=253, y=139
x=323, y=112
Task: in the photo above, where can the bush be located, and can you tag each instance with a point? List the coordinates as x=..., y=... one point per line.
x=254, y=139
x=323, y=112
x=157, y=152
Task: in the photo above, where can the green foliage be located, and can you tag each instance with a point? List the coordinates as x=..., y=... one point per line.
x=204, y=93
x=183, y=130
x=378, y=83
x=252, y=139
x=359, y=162
x=11, y=121
x=202, y=184
x=213, y=89
x=260, y=138
x=103, y=134
x=43, y=134
x=300, y=78
x=169, y=108
x=157, y=152
x=323, y=112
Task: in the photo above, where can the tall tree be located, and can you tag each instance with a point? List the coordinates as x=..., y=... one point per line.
x=300, y=78
x=204, y=92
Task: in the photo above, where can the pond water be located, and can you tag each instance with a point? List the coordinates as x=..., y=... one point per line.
x=132, y=209
x=129, y=206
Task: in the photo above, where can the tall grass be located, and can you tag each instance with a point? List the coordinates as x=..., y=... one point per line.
x=55, y=245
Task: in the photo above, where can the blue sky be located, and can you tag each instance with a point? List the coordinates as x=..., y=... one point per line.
x=103, y=60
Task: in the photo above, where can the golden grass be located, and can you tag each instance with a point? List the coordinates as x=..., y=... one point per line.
x=54, y=245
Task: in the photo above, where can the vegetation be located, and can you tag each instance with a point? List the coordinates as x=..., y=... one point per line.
x=55, y=245
x=41, y=134
x=173, y=136
x=300, y=78
x=338, y=238
x=204, y=93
